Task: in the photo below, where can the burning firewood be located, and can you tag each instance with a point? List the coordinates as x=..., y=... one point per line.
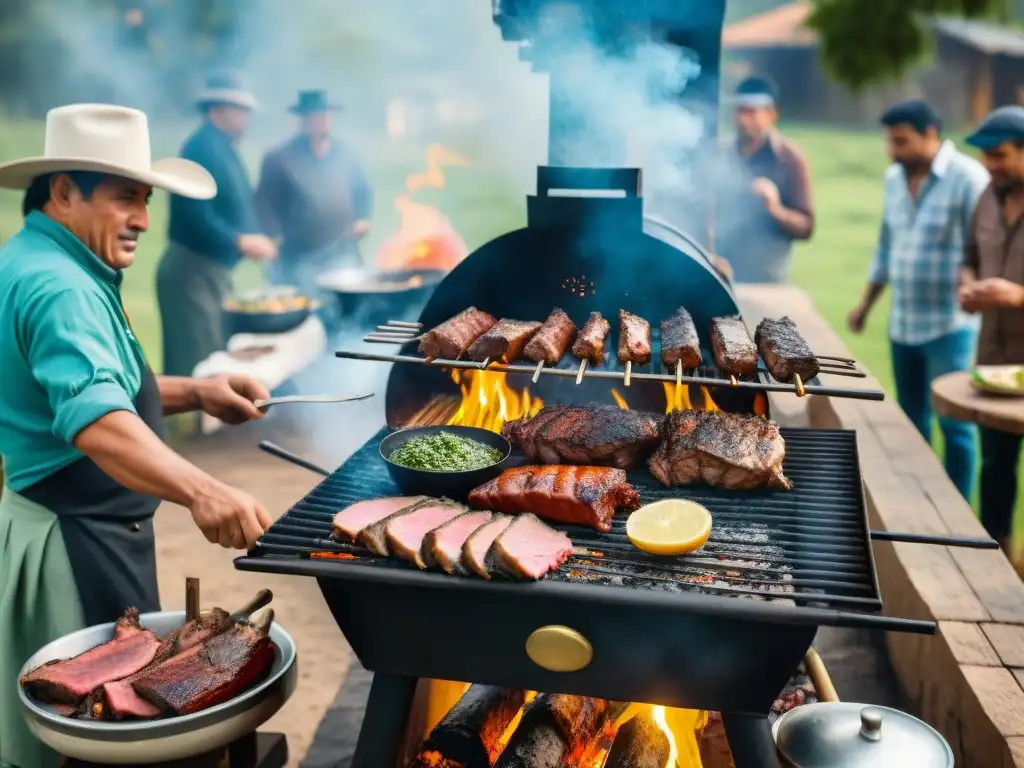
x=470, y=734
x=640, y=743
x=554, y=729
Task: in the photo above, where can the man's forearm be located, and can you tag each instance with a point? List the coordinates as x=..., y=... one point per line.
x=793, y=222
x=874, y=290
x=178, y=394
x=126, y=449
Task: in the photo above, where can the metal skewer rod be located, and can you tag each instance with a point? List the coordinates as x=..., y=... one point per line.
x=536, y=373
x=836, y=359
x=404, y=324
x=583, y=369
x=799, y=383
x=397, y=329
x=629, y=373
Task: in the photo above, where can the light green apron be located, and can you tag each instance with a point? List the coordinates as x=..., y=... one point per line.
x=38, y=603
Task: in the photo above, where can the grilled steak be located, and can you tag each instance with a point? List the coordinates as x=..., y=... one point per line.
x=453, y=337
x=553, y=338
x=679, y=341
x=442, y=547
x=735, y=353
x=634, y=339
x=597, y=435
x=374, y=535
x=784, y=350
x=528, y=549
x=212, y=672
x=350, y=521
x=560, y=494
x=724, y=450
x=405, y=533
x=503, y=342
x=474, y=551
x=589, y=345
x=70, y=681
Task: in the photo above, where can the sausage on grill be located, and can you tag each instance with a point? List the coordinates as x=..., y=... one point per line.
x=589, y=344
x=453, y=337
x=634, y=339
x=553, y=338
x=503, y=342
x=679, y=341
x=784, y=350
x=735, y=353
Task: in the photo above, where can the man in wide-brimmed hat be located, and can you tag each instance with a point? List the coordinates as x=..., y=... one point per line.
x=208, y=238
x=314, y=197
x=80, y=411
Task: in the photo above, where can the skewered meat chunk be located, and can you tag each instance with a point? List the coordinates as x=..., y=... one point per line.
x=679, y=341
x=553, y=338
x=784, y=350
x=559, y=494
x=724, y=450
x=528, y=549
x=503, y=342
x=474, y=551
x=589, y=345
x=453, y=337
x=735, y=353
x=597, y=435
x=634, y=339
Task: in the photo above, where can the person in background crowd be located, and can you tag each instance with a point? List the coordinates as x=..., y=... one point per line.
x=313, y=195
x=765, y=201
x=992, y=284
x=80, y=411
x=207, y=238
x=931, y=191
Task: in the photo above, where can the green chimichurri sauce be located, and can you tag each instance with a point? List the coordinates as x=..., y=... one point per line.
x=445, y=452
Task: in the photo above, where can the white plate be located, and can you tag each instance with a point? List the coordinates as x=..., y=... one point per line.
x=999, y=379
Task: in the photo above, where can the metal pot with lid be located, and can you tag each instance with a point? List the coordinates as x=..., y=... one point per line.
x=846, y=735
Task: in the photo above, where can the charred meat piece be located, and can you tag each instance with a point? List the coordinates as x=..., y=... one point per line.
x=735, y=353
x=679, y=341
x=470, y=734
x=474, y=551
x=723, y=450
x=503, y=342
x=352, y=520
x=212, y=672
x=128, y=624
x=589, y=345
x=552, y=340
x=442, y=547
x=596, y=435
x=559, y=494
x=784, y=350
x=454, y=336
x=70, y=681
x=374, y=535
x=528, y=549
x=405, y=533
x=634, y=339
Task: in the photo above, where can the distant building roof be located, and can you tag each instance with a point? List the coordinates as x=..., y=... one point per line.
x=985, y=36
x=783, y=26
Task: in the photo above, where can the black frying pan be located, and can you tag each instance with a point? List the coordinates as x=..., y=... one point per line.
x=373, y=296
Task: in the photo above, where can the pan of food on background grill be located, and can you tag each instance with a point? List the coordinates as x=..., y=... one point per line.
x=269, y=310
x=147, y=741
x=368, y=292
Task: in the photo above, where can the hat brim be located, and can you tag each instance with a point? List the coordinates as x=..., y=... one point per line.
x=985, y=140
x=172, y=174
x=295, y=109
x=753, y=100
x=241, y=99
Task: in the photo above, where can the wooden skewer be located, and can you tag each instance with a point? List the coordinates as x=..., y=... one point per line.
x=536, y=373
x=679, y=373
x=191, y=598
x=583, y=367
x=800, y=392
x=734, y=381
x=629, y=372
x=429, y=360
x=485, y=363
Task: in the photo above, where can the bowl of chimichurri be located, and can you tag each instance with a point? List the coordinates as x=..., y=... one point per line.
x=444, y=461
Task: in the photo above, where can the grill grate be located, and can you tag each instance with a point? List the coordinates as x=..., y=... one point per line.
x=806, y=547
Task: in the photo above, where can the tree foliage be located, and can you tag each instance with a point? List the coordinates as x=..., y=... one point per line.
x=870, y=41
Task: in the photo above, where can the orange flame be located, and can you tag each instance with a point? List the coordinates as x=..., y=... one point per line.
x=425, y=238
x=488, y=401
x=677, y=398
x=619, y=399
x=673, y=750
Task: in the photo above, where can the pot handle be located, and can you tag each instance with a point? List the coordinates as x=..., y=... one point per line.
x=819, y=676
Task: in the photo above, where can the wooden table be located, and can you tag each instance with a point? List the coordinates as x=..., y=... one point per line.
x=953, y=396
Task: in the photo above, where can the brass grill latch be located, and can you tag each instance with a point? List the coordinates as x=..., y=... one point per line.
x=559, y=649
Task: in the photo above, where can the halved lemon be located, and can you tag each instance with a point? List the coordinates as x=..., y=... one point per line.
x=669, y=527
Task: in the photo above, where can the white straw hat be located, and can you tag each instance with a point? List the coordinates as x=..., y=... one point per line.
x=107, y=139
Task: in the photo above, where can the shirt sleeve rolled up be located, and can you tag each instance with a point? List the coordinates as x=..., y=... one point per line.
x=879, y=274
x=68, y=342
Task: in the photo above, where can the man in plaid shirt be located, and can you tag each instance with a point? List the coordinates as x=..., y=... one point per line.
x=931, y=191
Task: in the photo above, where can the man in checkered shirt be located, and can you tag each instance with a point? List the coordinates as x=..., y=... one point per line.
x=931, y=191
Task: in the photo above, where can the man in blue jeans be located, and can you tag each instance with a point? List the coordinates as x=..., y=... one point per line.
x=931, y=192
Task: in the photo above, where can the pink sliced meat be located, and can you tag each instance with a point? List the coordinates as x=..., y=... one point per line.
x=405, y=533
x=474, y=551
x=443, y=546
x=352, y=520
x=123, y=702
x=529, y=549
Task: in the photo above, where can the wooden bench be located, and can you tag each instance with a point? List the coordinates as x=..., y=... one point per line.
x=967, y=680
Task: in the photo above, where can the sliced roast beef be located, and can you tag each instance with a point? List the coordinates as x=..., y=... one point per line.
x=474, y=551
x=374, y=535
x=349, y=522
x=528, y=549
x=443, y=546
x=405, y=533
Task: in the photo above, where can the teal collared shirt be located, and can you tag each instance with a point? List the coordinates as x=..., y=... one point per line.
x=67, y=353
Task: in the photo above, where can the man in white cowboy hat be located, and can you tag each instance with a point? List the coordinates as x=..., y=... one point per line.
x=80, y=411
x=314, y=197
x=208, y=238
